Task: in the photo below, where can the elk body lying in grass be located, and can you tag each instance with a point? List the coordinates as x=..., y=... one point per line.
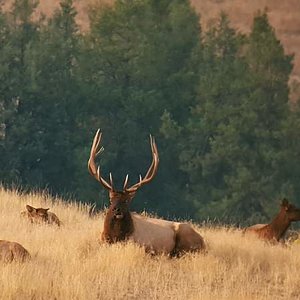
x=274, y=231
x=40, y=215
x=120, y=224
x=12, y=251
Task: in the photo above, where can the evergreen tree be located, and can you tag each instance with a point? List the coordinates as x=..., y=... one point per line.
x=288, y=159
x=140, y=59
x=18, y=33
x=56, y=99
x=217, y=103
x=232, y=139
x=44, y=125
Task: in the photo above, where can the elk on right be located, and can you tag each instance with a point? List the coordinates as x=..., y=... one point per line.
x=275, y=231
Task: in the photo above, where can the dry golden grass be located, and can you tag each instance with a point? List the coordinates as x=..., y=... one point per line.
x=70, y=263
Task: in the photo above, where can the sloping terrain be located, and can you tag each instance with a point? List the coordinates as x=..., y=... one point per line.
x=70, y=263
x=284, y=17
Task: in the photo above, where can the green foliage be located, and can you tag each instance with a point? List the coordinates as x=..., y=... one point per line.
x=234, y=134
x=138, y=66
x=18, y=30
x=41, y=130
x=217, y=103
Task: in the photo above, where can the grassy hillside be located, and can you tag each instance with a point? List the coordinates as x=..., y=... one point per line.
x=70, y=263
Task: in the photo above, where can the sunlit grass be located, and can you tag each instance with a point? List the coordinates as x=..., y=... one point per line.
x=70, y=262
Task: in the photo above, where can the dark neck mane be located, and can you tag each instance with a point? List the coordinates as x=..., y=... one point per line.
x=279, y=226
x=116, y=230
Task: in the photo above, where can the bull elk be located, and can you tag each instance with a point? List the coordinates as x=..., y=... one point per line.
x=12, y=251
x=274, y=231
x=157, y=236
x=40, y=215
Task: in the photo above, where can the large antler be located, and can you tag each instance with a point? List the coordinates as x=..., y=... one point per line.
x=94, y=171
x=151, y=171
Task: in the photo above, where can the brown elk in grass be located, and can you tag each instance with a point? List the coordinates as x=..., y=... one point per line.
x=12, y=251
x=120, y=224
x=274, y=231
x=40, y=215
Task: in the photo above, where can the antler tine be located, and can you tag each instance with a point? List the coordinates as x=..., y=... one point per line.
x=152, y=169
x=102, y=180
x=100, y=151
x=125, y=182
x=94, y=171
x=154, y=153
x=111, y=180
x=91, y=162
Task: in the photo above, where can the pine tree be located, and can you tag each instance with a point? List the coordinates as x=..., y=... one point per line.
x=18, y=33
x=42, y=130
x=140, y=56
x=55, y=100
x=232, y=140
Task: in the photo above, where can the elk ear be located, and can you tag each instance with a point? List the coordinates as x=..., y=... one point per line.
x=30, y=208
x=46, y=209
x=285, y=203
x=131, y=196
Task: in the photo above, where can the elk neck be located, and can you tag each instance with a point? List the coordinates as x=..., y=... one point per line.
x=116, y=230
x=279, y=225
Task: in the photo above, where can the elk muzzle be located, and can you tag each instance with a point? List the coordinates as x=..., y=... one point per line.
x=118, y=214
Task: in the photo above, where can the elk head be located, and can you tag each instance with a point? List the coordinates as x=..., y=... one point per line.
x=37, y=214
x=291, y=211
x=120, y=200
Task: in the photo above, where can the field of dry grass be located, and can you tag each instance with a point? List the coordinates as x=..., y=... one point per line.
x=70, y=263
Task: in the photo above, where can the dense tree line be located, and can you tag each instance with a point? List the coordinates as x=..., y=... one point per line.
x=216, y=101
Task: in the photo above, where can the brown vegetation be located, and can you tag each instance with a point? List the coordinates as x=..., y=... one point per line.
x=40, y=215
x=155, y=235
x=274, y=231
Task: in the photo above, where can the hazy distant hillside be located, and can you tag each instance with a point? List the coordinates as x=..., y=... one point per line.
x=283, y=15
